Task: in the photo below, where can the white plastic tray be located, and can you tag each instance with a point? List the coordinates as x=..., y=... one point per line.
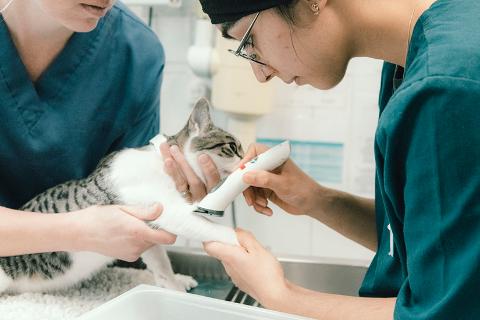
x=152, y=303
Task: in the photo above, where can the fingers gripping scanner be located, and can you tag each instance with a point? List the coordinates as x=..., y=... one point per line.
x=228, y=189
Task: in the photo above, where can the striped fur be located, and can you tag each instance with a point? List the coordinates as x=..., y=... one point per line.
x=75, y=195
x=104, y=187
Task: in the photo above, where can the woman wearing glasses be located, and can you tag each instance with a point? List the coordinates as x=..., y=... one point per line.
x=427, y=151
x=78, y=80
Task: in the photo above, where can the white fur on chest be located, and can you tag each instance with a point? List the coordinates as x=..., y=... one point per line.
x=139, y=179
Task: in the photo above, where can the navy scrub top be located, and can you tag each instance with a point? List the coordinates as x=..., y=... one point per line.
x=427, y=150
x=100, y=94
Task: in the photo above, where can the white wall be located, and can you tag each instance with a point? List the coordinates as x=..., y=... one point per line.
x=337, y=125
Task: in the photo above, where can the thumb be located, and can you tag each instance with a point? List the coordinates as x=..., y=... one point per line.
x=148, y=213
x=263, y=179
x=253, y=150
x=220, y=251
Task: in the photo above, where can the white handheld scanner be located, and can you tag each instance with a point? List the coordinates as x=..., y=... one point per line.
x=228, y=189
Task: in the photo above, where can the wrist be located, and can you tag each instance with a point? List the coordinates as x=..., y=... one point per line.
x=279, y=298
x=318, y=197
x=70, y=231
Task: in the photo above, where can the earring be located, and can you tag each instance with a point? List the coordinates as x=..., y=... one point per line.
x=315, y=7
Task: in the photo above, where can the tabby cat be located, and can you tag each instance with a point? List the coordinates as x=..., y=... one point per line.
x=132, y=176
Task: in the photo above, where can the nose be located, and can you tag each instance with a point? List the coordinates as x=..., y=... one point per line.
x=263, y=73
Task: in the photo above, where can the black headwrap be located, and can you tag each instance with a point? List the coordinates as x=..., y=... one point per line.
x=221, y=11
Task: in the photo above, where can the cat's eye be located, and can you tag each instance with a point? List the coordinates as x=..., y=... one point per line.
x=233, y=146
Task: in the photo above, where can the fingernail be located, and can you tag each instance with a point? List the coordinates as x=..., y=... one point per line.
x=261, y=202
x=156, y=206
x=203, y=158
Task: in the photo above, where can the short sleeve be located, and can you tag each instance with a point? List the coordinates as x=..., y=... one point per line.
x=439, y=132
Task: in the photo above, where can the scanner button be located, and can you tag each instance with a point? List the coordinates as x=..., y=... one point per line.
x=242, y=167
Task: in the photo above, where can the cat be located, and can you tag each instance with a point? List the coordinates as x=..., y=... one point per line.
x=132, y=176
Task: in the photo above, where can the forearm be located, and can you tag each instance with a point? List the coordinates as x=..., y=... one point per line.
x=29, y=232
x=318, y=305
x=350, y=215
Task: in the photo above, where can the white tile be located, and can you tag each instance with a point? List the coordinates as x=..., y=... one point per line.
x=328, y=243
x=282, y=233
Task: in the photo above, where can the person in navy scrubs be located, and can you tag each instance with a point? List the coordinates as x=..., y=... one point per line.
x=78, y=80
x=424, y=223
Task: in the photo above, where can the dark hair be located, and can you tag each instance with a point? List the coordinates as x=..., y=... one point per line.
x=286, y=11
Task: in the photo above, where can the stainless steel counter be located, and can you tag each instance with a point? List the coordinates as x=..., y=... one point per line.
x=340, y=276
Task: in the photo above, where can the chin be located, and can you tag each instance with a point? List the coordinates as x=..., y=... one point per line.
x=324, y=86
x=85, y=26
x=328, y=82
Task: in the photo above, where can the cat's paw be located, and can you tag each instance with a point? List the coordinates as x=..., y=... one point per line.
x=186, y=281
x=171, y=284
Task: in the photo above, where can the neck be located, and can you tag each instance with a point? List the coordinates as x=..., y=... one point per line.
x=37, y=36
x=381, y=29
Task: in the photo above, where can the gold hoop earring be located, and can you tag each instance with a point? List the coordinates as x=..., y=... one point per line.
x=315, y=8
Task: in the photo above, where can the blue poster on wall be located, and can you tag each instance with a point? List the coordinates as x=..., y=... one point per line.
x=323, y=161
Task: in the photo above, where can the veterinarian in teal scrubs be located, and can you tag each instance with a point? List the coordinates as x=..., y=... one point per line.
x=78, y=80
x=424, y=223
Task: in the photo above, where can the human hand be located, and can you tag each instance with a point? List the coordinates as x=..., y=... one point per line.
x=186, y=180
x=251, y=267
x=119, y=231
x=287, y=186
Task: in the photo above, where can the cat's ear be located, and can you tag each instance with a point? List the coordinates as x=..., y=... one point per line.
x=200, y=120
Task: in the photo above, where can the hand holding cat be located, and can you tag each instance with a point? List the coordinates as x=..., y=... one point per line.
x=119, y=231
x=252, y=268
x=177, y=167
x=287, y=186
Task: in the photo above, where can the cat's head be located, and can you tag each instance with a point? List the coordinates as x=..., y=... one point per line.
x=200, y=135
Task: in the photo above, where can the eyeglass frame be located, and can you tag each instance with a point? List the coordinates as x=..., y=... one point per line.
x=243, y=41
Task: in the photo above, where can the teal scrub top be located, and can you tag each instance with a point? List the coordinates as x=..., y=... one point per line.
x=100, y=94
x=427, y=151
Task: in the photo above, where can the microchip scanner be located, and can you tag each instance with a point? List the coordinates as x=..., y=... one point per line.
x=226, y=191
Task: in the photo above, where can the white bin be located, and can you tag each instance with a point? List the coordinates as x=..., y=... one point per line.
x=152, y=303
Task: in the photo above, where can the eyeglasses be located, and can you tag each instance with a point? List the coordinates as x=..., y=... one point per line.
x=241, y=52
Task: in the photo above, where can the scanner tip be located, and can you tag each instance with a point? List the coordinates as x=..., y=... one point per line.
x=208, y=212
